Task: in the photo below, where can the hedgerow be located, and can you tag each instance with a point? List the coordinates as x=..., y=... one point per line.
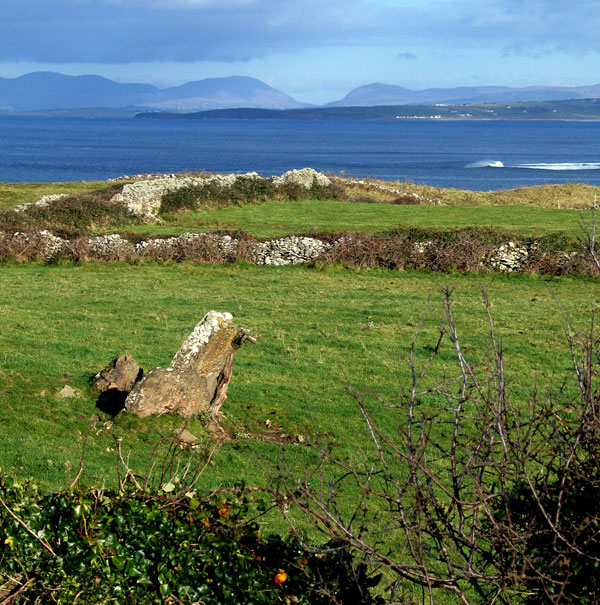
x=70, y=215
x=100, y=546
x=245, y=190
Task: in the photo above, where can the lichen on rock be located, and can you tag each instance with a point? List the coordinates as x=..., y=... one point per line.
x=195, y=382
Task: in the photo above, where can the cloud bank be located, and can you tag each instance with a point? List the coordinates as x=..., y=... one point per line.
x=126, y=31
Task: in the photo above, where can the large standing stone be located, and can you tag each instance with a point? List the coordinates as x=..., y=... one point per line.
x=196, y=381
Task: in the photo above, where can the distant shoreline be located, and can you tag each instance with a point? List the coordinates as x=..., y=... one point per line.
x=580, y=110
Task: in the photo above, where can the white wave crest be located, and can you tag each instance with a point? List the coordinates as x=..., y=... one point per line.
x=486, y=164
x=561, y=166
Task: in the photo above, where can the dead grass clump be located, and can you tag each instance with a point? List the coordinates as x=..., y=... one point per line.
x=27, y=247
x=78, y=249
x=205, y=249
x=460, y=254
x=461, y=251
x=407, y=200
x=560, y=262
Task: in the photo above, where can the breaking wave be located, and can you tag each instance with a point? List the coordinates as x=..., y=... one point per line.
x=537, y=166
x=486, y=164
x=561, y=166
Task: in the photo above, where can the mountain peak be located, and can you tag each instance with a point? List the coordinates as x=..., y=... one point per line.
x=388, y=94
x=50, y=90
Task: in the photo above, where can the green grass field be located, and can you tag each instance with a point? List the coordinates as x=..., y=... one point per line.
x=61, y=324
x=272, y=219
x=321, y=328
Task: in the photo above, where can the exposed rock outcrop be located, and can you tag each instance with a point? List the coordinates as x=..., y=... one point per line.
x=196, y=381
x=110, y=247
x=305, y=178
x=143, y=198
x=41, y=203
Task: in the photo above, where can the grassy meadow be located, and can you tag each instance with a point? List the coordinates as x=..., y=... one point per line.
x=12, y=194
x=60, y=324
x=273, y=219
x=322, y=328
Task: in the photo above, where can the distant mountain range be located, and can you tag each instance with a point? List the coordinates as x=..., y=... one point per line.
x=48, y=90
x=41, y=91
x=388, y=94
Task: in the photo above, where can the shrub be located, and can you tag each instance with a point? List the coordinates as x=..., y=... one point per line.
x=70, y=216
x=244, y=190
x=155, y=539
x=97, y=546
x=477, y=496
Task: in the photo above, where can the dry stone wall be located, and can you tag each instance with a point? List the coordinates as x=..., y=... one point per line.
x=507, y=257
x=142, y=198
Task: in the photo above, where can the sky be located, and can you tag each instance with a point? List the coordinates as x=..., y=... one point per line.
x=315, y=50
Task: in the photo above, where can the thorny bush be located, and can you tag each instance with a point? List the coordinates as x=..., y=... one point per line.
x=472, y=491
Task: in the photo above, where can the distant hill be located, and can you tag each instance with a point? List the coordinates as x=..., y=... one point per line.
x=578, y=109
x=48, y=90
x=388, y=94
x=216, y=93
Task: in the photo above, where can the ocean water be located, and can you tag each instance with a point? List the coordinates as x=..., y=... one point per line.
x=466, y=155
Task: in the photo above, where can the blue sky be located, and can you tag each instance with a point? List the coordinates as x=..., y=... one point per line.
x=315, y=50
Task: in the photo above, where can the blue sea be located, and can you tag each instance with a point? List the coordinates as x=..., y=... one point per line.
x=467, y=155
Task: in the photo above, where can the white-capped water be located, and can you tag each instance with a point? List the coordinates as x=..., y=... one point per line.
x=486, y=164
x=501, y=154
x=537, y=166
x=561, y=166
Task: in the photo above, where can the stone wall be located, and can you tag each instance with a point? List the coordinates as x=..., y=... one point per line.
x=217, y=248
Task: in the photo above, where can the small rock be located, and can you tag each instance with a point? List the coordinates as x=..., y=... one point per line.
x=68, y=391
x=186, y=438
x=120, y=374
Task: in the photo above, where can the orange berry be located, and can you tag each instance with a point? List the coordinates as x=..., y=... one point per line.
x=280, y=577
x=224, y=512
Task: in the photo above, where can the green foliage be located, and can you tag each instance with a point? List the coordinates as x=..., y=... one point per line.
x=71, y=215
x=244, y=190
x=277, y=217
x=97, y=546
